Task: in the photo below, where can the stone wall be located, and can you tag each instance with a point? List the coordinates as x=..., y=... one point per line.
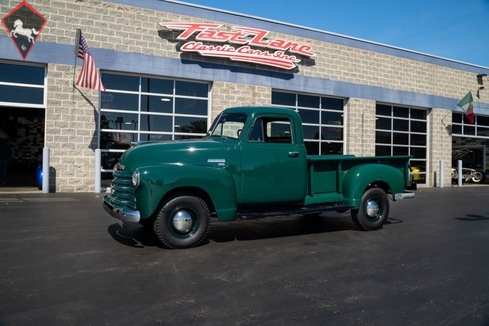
x=71, y=113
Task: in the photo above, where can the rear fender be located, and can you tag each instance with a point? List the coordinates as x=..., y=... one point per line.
x=357, y=179
x=159, y=180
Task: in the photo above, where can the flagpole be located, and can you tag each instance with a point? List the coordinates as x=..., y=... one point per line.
x=77, y=44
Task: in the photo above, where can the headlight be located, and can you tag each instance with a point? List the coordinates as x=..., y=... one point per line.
x=136, y=178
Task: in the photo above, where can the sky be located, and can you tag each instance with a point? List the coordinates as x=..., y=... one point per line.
x=452, y=29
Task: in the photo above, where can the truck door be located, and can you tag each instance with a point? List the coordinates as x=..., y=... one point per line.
x=274, y=166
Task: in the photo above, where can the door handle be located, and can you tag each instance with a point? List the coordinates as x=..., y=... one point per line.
x=293, y=154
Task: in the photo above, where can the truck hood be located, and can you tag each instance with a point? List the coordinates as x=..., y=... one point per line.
x=208, y=151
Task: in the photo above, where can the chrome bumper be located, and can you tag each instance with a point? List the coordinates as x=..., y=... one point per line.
x=122, y=214
x=404, y=195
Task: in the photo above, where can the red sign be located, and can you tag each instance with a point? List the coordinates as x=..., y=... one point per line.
x=23, y=25
x=241, y=44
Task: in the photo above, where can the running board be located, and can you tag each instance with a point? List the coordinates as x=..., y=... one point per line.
x=303, y=210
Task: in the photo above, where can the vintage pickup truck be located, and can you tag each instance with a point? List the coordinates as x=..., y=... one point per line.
x=252, y=163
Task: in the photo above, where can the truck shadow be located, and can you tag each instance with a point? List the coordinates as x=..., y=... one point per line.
x=276, y=227
x=472, y=218
x=135, y=235
x=281, y=227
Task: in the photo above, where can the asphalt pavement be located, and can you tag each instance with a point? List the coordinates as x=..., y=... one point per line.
x=64, y=261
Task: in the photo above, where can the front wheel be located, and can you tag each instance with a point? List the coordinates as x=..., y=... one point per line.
x=478, y=177
x=183, y=222
x=373, y=211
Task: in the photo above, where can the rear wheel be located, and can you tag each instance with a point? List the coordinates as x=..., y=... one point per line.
x=373, y=211
x=183, y=222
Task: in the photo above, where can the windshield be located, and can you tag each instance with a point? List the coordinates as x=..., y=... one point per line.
x=228, y=125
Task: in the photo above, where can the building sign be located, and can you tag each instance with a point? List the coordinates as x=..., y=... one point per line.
x=241, y=44
x=23, y=25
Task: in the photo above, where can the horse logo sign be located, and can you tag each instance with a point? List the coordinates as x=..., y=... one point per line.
x=24, y=24
x=23, y=31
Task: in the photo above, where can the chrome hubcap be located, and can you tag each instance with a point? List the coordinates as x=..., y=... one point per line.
x=182, y=221
x=372, y=208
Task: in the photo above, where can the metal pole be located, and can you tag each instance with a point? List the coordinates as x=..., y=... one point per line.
x=442, y=173
x=98, y=164
x=45, y=170
x=459, y=170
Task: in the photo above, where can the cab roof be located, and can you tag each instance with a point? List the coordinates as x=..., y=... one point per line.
x=252, y=110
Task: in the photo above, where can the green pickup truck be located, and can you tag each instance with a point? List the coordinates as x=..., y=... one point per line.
x=252, y=163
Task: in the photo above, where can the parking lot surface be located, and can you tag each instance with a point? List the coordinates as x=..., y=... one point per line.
x=64, y=261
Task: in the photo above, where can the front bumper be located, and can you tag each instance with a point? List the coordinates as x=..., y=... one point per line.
x=404, y=195
x=123, y=214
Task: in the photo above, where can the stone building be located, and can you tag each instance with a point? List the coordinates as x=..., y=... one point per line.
x=169, y=68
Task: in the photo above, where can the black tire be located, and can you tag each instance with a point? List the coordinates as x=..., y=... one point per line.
x=192, y=225
x=373, y=211
x=478, y=177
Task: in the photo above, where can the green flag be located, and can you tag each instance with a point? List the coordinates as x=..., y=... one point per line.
x=466, y=104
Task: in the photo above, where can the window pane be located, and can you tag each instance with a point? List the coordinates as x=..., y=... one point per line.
x=154, y=137
x=190, y=125
x=332, y=104
x=482, y=131
x=156, y=122
x=400, y=112
x=456, y=129
x=482, y=121
x=400, y=125
x=418, y=126
x=307, y=101
x=418, y=163
x=418, y=114
x=278, y=129
x=402, y=139
x=311, y=132
x=191, y=106
x=191, y=89
x=418, y=139
x=283, y=98
x=418, y=152
x=331, y=148
x=118, y=121
x=312, y=147
x=161, y=86
x=456, y=117
x=116, y=139
x=18, y=94
x=122, y=102
x=383, y=110
x=309, y=116
x=332, y=133
x=383, y=137
x=383, y=123
x=332, y=118
x=155, y=104
x=120, y=82
x=21, y=74
x=469, y=130
x=256, y=133
x=382, y=150
x=400, y=151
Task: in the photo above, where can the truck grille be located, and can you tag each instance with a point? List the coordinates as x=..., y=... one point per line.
x=123, y=192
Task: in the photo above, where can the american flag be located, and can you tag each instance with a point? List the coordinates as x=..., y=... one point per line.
x=88, y=76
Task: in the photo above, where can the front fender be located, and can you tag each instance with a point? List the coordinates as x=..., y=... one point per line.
x=358, y=178
x=158, y=180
